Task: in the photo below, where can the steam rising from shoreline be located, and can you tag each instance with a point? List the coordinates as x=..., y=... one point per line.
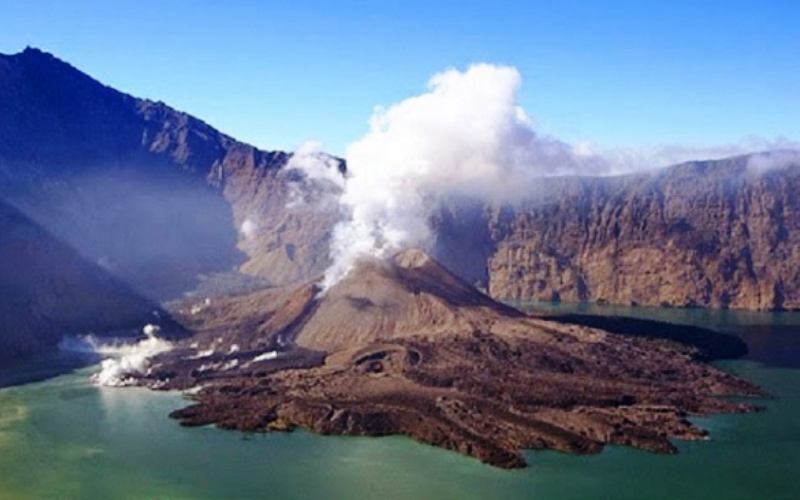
x=128, y=361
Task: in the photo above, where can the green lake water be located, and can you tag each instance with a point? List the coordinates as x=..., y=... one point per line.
x=63, y=438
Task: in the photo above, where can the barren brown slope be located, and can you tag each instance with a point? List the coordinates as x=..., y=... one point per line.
x=412, y=295
x=405, y=347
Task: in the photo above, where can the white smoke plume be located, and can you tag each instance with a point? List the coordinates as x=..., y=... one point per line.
x=127, y=361
x=133, y=360
x=248, y=229
x=316, y=179
x=310, y=159
x=465, y=136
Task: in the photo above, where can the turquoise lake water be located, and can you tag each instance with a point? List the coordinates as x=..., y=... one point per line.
x=63, y=438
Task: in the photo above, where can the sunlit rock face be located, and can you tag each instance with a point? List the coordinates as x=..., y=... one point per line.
x=721, y=234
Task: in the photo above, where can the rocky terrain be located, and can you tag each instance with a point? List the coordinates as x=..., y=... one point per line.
x=721, y=234
x=406, y=347
x=48, y=289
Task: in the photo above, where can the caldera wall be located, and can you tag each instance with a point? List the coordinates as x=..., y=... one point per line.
x=706, y=234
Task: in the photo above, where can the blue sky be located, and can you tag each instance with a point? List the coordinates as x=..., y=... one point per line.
x=616, y=73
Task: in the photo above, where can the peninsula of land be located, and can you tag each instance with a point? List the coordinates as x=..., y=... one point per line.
x=406, y=347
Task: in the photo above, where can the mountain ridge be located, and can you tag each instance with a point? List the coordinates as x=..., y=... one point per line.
x=720, y=234
x=123, y=180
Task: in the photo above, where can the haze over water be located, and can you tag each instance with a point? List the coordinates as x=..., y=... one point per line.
x=64, y=438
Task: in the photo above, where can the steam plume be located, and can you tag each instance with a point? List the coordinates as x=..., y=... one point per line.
x=466, y=136
x=128, y=360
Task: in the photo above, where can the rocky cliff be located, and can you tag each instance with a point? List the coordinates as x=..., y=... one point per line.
x=722, y=234
x=48, y=290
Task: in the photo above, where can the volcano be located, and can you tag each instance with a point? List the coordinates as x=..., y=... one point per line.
x=406, y=347
x=411, y=296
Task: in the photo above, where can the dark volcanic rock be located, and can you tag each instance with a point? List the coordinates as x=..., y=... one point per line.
x=406, y=347
x=47, y=290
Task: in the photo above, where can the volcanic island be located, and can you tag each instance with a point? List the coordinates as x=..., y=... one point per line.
x=404, y=346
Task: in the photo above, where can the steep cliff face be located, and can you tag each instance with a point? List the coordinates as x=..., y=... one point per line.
x=48, y=290
x=702, y=234
x=153, y=194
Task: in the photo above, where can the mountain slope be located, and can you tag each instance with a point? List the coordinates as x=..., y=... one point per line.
x=411, y=295
x=154, y=194
x=47, y=290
